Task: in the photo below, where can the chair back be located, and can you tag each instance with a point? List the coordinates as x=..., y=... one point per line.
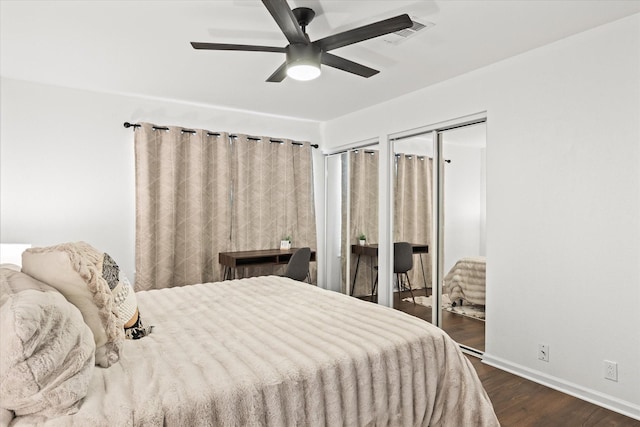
x=402, y=257
x=298, y=266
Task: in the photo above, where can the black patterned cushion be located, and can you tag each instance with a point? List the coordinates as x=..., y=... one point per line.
x=124, y=298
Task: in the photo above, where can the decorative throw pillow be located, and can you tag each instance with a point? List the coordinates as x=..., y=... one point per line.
x=92, y=281
x=125, y=299
x=47, y=352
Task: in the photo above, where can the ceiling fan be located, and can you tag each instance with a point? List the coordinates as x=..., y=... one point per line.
x=303, y=57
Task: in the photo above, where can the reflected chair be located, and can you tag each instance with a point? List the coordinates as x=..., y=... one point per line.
x=402, y=264
x=298, y=265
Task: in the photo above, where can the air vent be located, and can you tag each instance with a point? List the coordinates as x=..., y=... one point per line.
x=402, y=35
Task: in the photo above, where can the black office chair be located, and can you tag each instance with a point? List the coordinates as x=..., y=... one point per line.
x=298, y=266
x=402, y=264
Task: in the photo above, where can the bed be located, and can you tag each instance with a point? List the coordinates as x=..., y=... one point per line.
x=269, y=351
x=465, y=282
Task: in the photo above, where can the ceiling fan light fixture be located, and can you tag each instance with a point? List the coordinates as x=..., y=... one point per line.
x=303, y=61
x=303, y=72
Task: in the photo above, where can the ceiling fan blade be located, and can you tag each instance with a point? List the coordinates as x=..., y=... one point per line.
x=365, y=32
x=243, y=47
x=346, y=65
x=279, y=74
x=282, y=14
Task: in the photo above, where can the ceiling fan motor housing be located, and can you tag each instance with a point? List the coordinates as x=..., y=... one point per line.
x=303, y=54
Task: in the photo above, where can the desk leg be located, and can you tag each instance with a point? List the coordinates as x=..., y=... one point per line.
x=355, y=275
x=372, y=277
x=423, y=276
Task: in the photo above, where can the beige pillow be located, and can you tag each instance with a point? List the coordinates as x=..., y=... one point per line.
x=47, y=352
x=86, y=277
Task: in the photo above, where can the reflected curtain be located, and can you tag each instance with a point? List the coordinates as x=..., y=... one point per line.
x=363, y=191
x=413, y=207
x=199, y=193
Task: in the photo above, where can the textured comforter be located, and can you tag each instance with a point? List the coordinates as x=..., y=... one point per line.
x=269, y=351
x=466, y=280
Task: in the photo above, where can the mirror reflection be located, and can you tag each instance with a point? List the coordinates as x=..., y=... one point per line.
x=352, y=215
x=461, y=226
x=413, y=224
x=361, y=234
x=464, y=232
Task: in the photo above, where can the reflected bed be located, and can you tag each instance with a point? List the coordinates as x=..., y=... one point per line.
x=466, y=281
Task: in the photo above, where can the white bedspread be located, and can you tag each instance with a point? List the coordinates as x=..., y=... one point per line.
x=466, y=280
x=269, y=351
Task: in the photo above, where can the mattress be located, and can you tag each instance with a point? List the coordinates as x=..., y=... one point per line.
x=269, y=351
x=467, y=280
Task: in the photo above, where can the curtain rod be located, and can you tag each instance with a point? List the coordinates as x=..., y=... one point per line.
x=250, y=138
x=420, y=156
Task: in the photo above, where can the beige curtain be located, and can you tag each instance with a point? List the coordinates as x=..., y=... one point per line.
x=200, y=193
x=182, y=205
x=363, y=192
x=413, y=206
x=273, y=197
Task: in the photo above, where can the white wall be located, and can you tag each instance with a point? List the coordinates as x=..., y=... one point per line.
x=563, y=203
x=67, y=162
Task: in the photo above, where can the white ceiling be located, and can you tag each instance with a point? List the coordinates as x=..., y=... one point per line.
x=142, y=47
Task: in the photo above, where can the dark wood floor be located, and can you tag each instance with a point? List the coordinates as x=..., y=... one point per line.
x=522, y=403
x=518, y=402
x=464, y=330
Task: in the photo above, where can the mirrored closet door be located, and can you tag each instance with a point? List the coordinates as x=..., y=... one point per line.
x=439, y=201
x=352, y=221
x=462, y=228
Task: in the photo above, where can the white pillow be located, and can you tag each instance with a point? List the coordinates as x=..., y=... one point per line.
x=47, y=352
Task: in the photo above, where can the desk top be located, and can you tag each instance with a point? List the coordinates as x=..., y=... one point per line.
x=372, y=250
x=258, y=257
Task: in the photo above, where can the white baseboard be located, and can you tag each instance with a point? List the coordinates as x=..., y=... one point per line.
x=606, y=401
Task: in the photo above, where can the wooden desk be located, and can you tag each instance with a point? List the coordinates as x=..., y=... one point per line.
x=235, y=260
x=372, y=251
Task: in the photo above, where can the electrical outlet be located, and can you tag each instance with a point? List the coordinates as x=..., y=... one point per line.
x=543, y=352
x=610, y=370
